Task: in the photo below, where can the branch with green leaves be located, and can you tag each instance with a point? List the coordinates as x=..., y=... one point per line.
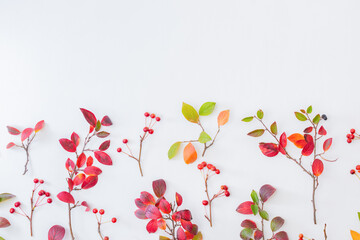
x=193, y=116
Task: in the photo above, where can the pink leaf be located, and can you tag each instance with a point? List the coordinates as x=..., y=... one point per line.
x=81, y=160
x=248, y=224
x=68, y=145
x=245, y=208
x=327, y=144
x=159, y=187
x=105, y=145
x=152, y=226
x=70, y=184
x=106, y=121
x=103, y=157
x=39, y=126
x=266, y=191
x=10, y=145
x=70, y=165
x=89, y=116
x=86, y=205
x=4, y=223
x=13, y=131
x=152, y=212
x=26, y=133
x=140, y=213
x=308, y=149
x=281, y=236
x=92, y=171
x=140, y=204
x=56, y=232
x=317, y=167
x=185, y=215
x=269, y=149
x=89, y=182
x=66, y=197
x=164, y=206
x=75, y=138
x=181, y=234
x=147, y=198
x=179, y=199
x=79, y=179
x=322, y=131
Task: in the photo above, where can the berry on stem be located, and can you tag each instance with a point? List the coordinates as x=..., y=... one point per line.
x=352, y=171
x=113, y=220
x=106, y=238
x=119, y=150
x=101, y=211
x=12, y=210
x=227, y=193
x=146, y=114
x=151, y=131
x=41, y=181
x=49, y=200
x=146, y=129
x=349, y=140
x=152, y=115
x=36, y=180
x=352, y=131
x=17, y=204
x=95, y=210
x=205, y=202
x=125, y=141
x=158, y=119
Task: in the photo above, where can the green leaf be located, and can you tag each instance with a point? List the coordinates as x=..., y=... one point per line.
x=246, y=233
x=264, y=215
x=255, y=208
x=260, y=114
x=256, y=133
x=207, y=108
x=98, y=126
x=254, y=197
x=2, y=238
x=174, y=149
x=198, y=236
x=273, y=128
x=309, y=110
x=276, y=223
x=204, y=137
x=6, y=196
x=190, y=113
x=300, y=116
x=359, y=215
x=316, y=119
x=247, y=119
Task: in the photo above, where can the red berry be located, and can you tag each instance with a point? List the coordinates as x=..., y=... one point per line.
x=17, y=204
x=41, y=192
x=348, y=135
x=200, y=166
x=213, y=168
x=49, y=200
x=47, y=194
x=301, y=235
x=95, y=210
x=125, y=141
x=119, y=150
x=349, y=140
x=357, y=167
x=352, y=131
x=205, y=202
x=352, y=171
x=146, y=114
x=158, y=119
x=217, y=171
x=352, y=136
x=12, y=210
x=227, y=193
x=146, y=129
x=209, y=166
x=36, y=180
x=41, y=181
x=152, y=115
x=224, y=187
x=151, y=131
x=101, y=211
x=106, y=238
x=204, y=164
x=113, y=220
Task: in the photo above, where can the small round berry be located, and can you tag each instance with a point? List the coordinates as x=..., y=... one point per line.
x=349, y=140
x=151, y=131
x=146, y=129
x=301, y=235
x=152, y=115
x=357, y=167
x=95, y=210
x=41, y=181
x=352, y=136
x=227, y=193
x=102, y=211
x=352, y=131
x=224, y=187
x=146, y=114
x=352, y=171
x=47, y=194
x=324, y=117
x=12, y=210
x=49, y=200
x=36, y=180
x=125, y=141
x=119, y=150
x=217, y=171
x=348, y=135
x=113, y=220
x=209, y=166
x=17, y=204
x=213, y=168
x=200, y=166
x=41, y=192
x=106, y=238
x=205, y=202
x=158, y=119
x=204, y=164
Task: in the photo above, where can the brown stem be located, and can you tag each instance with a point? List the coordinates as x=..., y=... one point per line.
x=325, y=234
x=209, y=200
x=140, y=150
x=212, y=142
x=70, y=225
x=315, y=185
x=99, y=231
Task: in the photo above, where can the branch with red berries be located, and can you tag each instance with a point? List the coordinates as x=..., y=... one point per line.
x=27, y=137
x=193, y=116
x=99, y=218
x=83, y=174
x=255, y=207
x=165, y=215
x=148, y=130
x=307, y=142
x=42, y=199
x=207, y=171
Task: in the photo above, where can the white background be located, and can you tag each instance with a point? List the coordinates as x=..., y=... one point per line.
x=123, y=58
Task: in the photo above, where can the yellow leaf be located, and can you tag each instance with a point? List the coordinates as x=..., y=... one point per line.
x=223, y=117
x=355, y=235
x=190, y=154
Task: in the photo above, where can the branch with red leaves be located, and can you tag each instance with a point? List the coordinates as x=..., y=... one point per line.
x=27, y=136
x=166, y=216
x=307, y=142
x=148, y=130
x=83, y=174
x=193, y=116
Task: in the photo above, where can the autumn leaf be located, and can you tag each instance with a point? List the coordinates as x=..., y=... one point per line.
x=56, y=232
x=190, y=113
x=174, y=149
x=297, y=139
x=13, y=131
x=256, y=133
x=190, y=154
x=26, y=133
x=317, y=167
x=327, y=144
x=355, y=235
x=269, y=149
x=223, y=117
x=39, y=126
x=89, y=117
x=66, y=197
x=68, y=145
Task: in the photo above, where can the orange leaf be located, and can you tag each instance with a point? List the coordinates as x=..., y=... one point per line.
x=190, y=154
x=223, y=117
x=355, y=235
x=297, y=139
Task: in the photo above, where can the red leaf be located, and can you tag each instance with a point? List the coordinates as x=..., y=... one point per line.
x=161, y=224
x=164, y=206
x=281, y=236
x=179, y=199
x=308, y=149
x=258, y=235
x=86, y=205
x=266, y=191
x=56, y=232
x=297, y=139
x=185, y=215
x=89, y=116
x=39, y=126
x=66, y=197
x=248, y=224
x=140, y=203
x=75, y=138
x=308, y=138
x=308, y=130
x=106, y=121
x=152, y=212
x=89, y=182
x=180, y=234
x=152, y=226
x=79, y=179
x=147, y=198
x=70, y=165
x=327, y=144
x=70, y=184
x=159, y=187
x=140, y=213
x=13, y=131
x=68, y=145
x=317, y=167
x=26, y=133
x=245, y=208
x=10, y=145
x=269, y=149
x=187, y=225
x=92, y=171
x=194, y=229
x=4, y=223
x=89, y=161
x=105, y=145
x=176, y=216
x=81, y=160
x=322, y=131
x=103, y=157
x=283, y=143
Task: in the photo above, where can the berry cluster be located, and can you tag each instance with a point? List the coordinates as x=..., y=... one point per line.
x=98, y=215
x=208, y=170
x=42, y=195
x=352, y=136
x=148, y=130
